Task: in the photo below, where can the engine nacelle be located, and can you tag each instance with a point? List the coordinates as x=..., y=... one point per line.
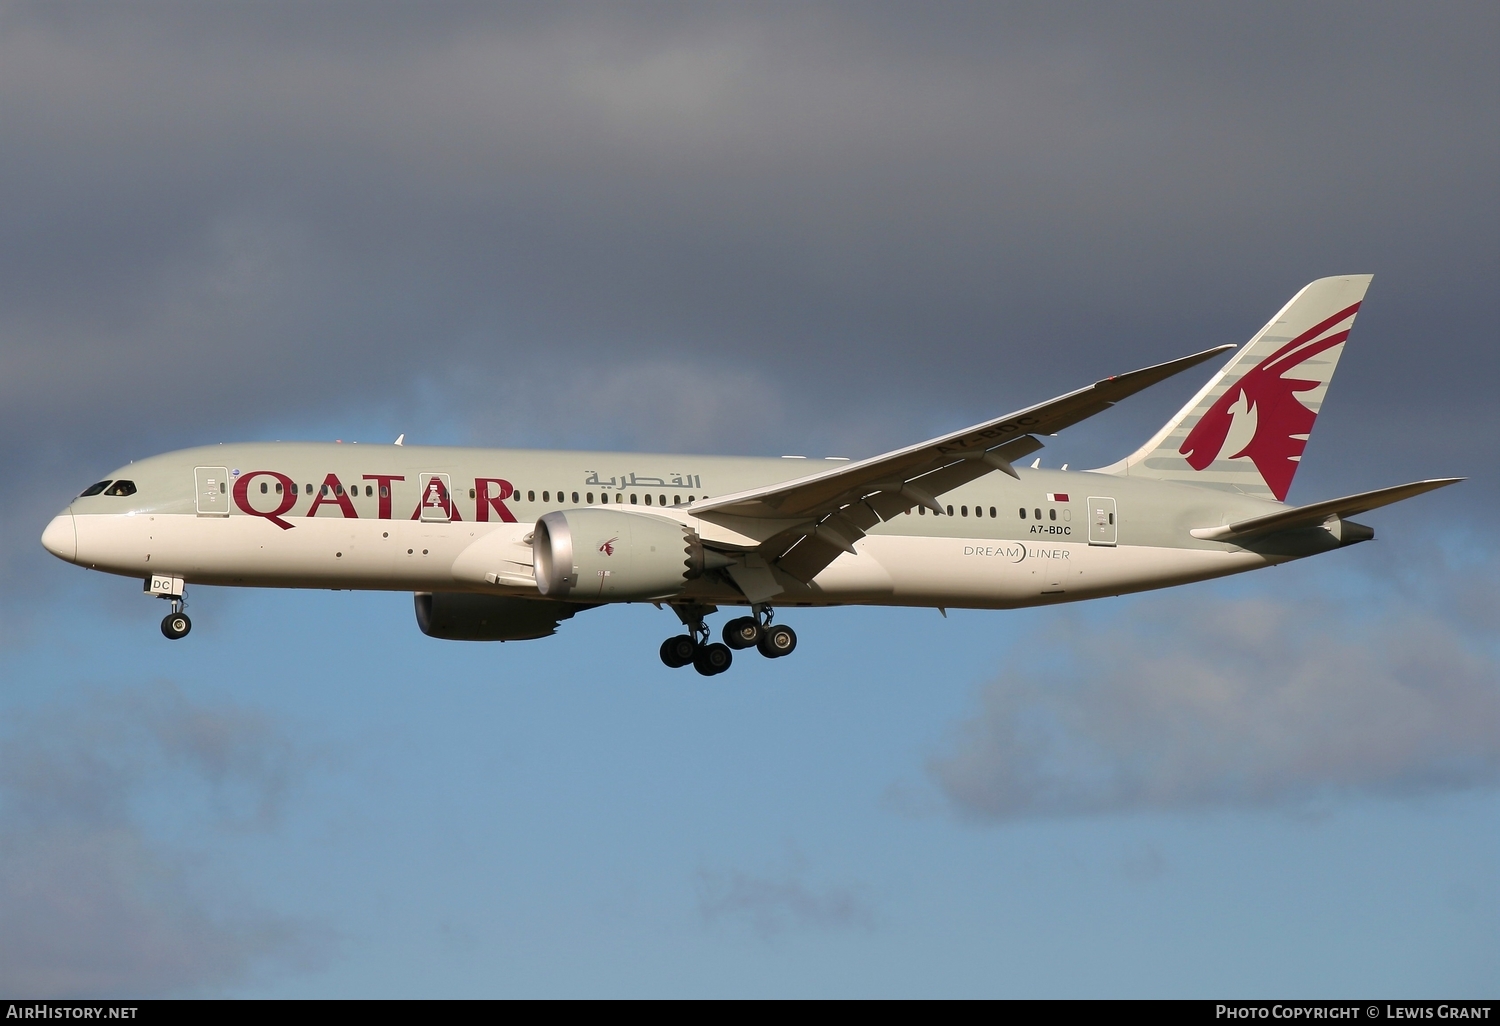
x=457, y=616
x=600, y=555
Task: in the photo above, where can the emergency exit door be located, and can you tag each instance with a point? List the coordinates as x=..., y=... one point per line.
x=437, y=499
x=1102, y=527
x=213, y=491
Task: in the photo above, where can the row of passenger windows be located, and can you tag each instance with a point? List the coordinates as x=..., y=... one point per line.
x=963, y=511
x=266, y=487
x=119, y=488
x=588, y=497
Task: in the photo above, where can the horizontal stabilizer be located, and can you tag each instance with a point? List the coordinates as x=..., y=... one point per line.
x=1318, y=513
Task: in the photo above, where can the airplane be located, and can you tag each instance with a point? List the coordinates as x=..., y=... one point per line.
x=505, y=544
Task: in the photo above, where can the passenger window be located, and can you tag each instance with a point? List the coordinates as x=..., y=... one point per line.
x=544, y=496
x=1052, y=514
x=677, y=500
x=921, y=511
x=575, y=496
x=278, y=487
x=1111, y=518
x=648, y=500
x=634, y=501
x=663, y=499
x=950, y=511
x=1023, y=514
x=692, y=498
x=385, y=491
x=264, y=488
x=531, y=496
x=992, y=513
x=93, y=489
x=1038, y=514
x=223, y=488
x=309, y=488
x=964, y=510
x=589, y=497
x=122, y=488
x=338, y=489
x=369, y=491
x=472, y=493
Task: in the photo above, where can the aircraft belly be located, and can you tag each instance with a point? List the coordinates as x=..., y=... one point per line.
x=326, y=552
x=991, y=573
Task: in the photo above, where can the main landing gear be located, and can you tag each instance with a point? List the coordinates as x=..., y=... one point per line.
x=176, y=623
x=756, y=630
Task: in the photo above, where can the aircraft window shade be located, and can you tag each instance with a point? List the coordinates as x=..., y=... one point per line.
x=993, y=514
x=93, y=489
x=575, y=496
x=121, y=488
x=1052, y=514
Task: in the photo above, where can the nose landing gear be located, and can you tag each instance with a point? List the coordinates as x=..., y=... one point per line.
x=754, y=631
x=176, y=623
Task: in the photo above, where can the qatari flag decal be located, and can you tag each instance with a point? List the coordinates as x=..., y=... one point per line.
x=1057, y=496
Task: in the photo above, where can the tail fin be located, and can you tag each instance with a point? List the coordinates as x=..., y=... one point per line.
x=1245, y=431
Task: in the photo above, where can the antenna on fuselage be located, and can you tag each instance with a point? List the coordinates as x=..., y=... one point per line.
x=400, y=439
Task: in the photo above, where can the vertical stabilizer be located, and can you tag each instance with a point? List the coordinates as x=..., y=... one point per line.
x=1246, y=430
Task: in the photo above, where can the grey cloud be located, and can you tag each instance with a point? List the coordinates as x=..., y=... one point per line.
x=268, y=216
x=96, y=897
x=1249, y=702
x=779, y=901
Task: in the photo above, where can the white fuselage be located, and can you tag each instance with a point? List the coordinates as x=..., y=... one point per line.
x=353, y=517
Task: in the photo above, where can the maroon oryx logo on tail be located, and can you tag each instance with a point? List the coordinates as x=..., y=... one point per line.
x=1281, y=422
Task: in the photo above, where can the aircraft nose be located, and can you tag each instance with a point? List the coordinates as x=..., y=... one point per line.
x=60, y=538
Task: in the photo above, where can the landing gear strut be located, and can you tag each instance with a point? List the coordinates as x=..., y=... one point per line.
x=754, y=631
x=694, y=647
x=176, y=623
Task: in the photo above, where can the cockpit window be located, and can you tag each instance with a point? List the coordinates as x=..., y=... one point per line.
x=121, y=488
x=93, y=489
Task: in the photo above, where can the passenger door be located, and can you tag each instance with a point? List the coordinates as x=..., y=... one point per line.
x=213, y=491
x=1102, y=527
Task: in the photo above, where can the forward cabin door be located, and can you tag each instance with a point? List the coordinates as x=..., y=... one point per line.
x=1102, y=527
x=213, y=491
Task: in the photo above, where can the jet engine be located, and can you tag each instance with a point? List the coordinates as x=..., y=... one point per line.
x=599, y=555
x=457, y=616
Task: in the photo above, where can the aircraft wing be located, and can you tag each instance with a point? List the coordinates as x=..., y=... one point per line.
x=1317, y=513
x=837, y=506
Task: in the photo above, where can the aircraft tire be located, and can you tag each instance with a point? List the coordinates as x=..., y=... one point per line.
x=712, y=659
x=176, y=625
x=678, y=651
x=776, y=641
x=742, y=632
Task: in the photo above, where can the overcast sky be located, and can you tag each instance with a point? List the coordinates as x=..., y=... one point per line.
x=752, y=228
